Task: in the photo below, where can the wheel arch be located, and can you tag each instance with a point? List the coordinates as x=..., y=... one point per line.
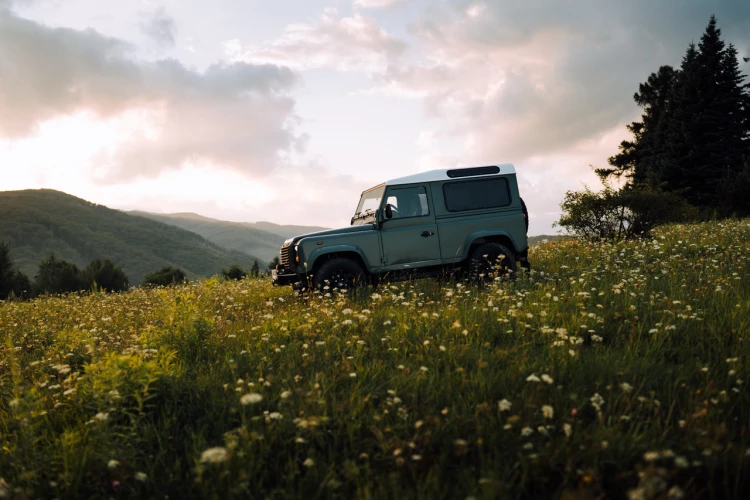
x=333, y=253
x=501, y=238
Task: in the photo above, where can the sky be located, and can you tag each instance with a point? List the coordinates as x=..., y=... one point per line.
x=286, y=110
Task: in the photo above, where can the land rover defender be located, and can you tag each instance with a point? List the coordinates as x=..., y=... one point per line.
x=466, y=220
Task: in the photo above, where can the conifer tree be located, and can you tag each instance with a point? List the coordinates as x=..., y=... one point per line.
x=639, y=158
x=694, y=135
x=707, y=126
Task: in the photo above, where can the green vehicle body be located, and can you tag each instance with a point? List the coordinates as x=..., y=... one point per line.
x=440, y=234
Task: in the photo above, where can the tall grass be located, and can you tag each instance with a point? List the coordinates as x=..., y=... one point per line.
x=610, y=370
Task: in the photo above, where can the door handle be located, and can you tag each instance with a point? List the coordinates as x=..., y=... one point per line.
x=427, y=233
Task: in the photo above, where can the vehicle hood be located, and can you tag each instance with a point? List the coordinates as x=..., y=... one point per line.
x=341, y=230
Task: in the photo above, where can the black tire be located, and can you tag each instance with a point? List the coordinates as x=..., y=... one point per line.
x=339, y=273
x=491, y=260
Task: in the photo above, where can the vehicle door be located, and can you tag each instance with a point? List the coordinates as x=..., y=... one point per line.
x=409, y=237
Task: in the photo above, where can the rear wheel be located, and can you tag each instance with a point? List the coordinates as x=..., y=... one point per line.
x=339, y=273
x=490, y=261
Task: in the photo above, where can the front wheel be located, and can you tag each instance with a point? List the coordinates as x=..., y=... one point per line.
x=490, y=261
x=339, y=273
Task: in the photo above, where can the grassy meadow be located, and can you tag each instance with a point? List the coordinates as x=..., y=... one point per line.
x=610, y=371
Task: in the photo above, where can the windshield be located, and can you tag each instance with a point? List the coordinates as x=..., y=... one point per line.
x=368, y=203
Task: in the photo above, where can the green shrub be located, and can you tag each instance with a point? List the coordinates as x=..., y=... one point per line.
x=235, y=272
x=58, y=276
x=106, y=275
x=165, y=276
x=623, y=214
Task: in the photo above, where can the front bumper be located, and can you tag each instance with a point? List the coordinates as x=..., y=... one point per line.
x=282, y=277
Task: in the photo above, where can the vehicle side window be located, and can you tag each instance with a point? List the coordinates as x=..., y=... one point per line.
x=408, y=202
x=476, y=195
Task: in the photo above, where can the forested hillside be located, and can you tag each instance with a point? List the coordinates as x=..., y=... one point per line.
x=37, y=222
x=261, y=238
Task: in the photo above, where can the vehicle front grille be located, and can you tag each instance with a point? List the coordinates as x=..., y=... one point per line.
x=285, y=255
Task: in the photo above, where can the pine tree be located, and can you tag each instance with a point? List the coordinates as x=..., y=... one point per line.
x=694, y=134
x=255, y=270
x=6, y=271
x=640, y=158
x=707, y=126
x=13, y=283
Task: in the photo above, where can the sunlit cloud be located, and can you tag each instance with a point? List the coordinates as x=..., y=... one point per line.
x=353, y=43
x=238, y=116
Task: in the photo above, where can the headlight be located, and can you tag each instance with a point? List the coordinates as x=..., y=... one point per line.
x=296, y=254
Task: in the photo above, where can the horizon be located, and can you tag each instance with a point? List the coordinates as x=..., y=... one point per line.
x=285, y=113
x=213, y=219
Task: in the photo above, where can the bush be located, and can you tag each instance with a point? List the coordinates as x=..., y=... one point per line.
x=165, y=277
x=623, y=214
x=13, y=283
x=58, y=276
x=106, y=275
x=235, y=272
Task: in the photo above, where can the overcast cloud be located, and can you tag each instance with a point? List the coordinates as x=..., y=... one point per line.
x=159, y=27
x=546, y=85
x=237, y=115
x=519, y=80
x=345, y=43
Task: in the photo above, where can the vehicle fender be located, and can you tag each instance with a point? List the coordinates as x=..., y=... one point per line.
x=323, y=251
x=488, y=234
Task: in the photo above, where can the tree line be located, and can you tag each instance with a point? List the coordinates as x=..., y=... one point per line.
x=689, y=156
x=55, y=276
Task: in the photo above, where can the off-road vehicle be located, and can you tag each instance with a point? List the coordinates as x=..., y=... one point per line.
x=470, y=220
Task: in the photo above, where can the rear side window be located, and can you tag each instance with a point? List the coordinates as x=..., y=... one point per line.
x=476, y=195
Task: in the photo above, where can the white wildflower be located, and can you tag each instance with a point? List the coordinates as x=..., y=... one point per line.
x=252, y=398
x=214, y=455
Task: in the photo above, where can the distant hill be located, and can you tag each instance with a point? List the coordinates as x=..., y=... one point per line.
x=539, y=239
x=287, y=231
x=38, y=222
x=259, y=238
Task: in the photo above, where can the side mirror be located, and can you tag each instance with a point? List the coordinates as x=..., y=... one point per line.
x=388, y=211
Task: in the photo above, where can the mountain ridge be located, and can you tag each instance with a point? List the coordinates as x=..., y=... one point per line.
x=249, y=237
x=37, y=222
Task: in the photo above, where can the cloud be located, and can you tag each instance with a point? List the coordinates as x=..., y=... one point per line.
x=238, y=115
x=159, y=27
x=354, y=43
x=377, y=4
x=523, y=79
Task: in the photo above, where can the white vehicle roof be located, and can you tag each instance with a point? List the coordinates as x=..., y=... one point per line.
x=455, y=174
